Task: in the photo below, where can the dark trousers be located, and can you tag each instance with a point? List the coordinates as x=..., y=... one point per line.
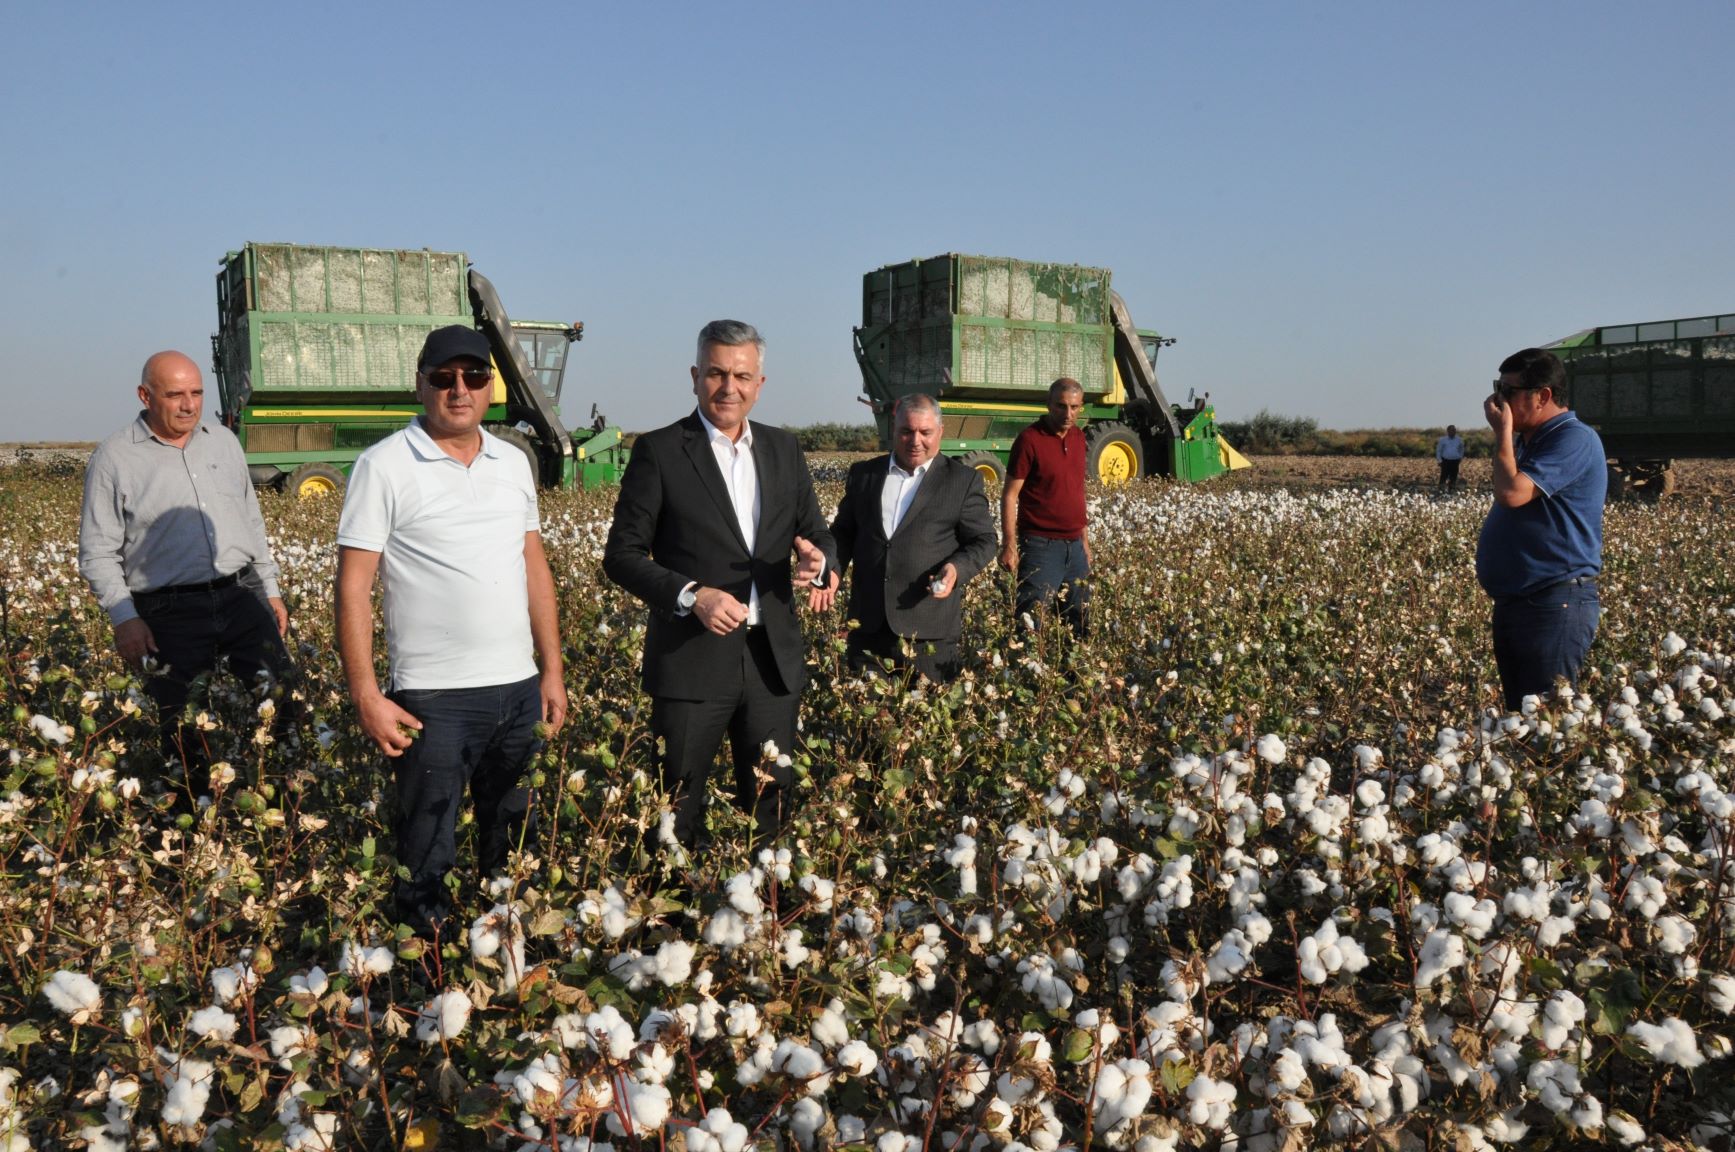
x=936, y=660
x=1051, y=570
x=756, y=708
x=480, y=738
x=193, y=630
x=1543, y=637
x=1449, y=473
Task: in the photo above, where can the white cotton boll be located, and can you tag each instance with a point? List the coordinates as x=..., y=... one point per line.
x=1674, y=934
x=1555, y=1083
x=1563, y=1012
x=674, y=962
x=608, y=1033
x=806, y=1118
x=361, y=962
x=726, y=929
x=645, y=1105
x=1441, y=952
x=1271, y=749
x=793, y=951
x=1721, y=992
x=229, y=984
x=1288, y=1072
x=829, y=1028
x=189, y=1089
x=857, y=1059
x=1624, y=1128
x=212, y=1023
x=74, y=995
x=743, y=1019
x=1370, y=793
x=1210, y=1102
x=1673, y=645
x=1671, y=1042
x=1646, y=895
x=984, y=1036
x=444, y=1017
x=313, y=983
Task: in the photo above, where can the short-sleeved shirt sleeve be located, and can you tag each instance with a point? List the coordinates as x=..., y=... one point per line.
x=366, y=522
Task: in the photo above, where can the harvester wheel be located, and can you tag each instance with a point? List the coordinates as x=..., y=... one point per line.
x=992, y=470
x=521, y=442
x=1116, y=457
x=1617, y=483
x=314, y=479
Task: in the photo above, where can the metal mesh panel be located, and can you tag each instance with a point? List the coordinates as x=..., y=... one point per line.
x=1719, y=387
x=1590, y=396
x=413, y=282
x=1672, y=393
x=1627, y=394
x=307, y=275
x=450, y=296
x=378, y=280
x=345, y=267
x=315, y=356
x=271, y=268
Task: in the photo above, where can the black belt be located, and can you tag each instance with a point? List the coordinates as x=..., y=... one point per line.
x=216, y=585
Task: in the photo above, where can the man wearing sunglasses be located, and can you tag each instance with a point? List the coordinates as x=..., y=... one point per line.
x=445, y=514
x=1541, y=546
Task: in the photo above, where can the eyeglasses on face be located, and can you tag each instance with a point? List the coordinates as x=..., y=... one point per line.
x=1508, y=391
x=447, y=378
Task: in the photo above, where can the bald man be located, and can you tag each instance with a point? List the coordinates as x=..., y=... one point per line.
x=173, y=546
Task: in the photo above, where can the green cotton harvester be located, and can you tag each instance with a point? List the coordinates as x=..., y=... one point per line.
x=986, y=336
x=315, y=358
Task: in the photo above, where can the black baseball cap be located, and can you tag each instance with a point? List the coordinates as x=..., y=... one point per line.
x=444, y=345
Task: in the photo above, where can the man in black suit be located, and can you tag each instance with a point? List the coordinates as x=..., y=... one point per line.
x=918, y=527
x=710, y=510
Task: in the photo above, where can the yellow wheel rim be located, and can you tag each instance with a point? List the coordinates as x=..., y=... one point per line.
x=315, y=486
x=990, y=474
x=1115, y=464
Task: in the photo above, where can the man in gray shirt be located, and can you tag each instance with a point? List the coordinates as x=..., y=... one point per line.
x=174, y=549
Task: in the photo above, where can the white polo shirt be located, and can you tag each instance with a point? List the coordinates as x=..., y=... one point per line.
x=451, y=544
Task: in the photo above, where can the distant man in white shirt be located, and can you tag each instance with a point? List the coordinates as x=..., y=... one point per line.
x=918, y=527
x=1449, y=451
x=445, y=514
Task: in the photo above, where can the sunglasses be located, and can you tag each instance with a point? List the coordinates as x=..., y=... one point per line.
x=446, y=379
x=1508, y=391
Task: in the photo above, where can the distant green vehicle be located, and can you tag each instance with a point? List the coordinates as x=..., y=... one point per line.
x=986, y=336
x=315, y=359
x=1655, y=393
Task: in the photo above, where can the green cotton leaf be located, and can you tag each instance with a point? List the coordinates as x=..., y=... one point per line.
x=1176, y=1075
x=548, y=922
x=19, y=1035
x=896, y=781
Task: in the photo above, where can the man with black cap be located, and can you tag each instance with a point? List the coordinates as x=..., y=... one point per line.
x=445, y=514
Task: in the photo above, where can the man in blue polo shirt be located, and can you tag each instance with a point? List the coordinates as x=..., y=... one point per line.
x=1541, y=546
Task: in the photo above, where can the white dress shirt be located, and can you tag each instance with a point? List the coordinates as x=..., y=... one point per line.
x=735, y=461
x=899, y=493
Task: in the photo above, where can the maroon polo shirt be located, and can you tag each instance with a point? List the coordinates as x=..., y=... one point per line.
x=1051, y=503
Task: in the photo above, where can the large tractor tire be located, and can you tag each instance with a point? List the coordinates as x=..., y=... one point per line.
x=993, y=472
x=1115, y=454
x=521, y=442
x=315, y=480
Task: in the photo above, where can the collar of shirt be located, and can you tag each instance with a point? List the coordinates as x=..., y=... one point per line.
x=142, y=431
x=714, y=434
x=896, y=469
x=422, y=444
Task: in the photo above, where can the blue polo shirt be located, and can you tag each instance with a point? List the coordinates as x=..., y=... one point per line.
x=1558, y=535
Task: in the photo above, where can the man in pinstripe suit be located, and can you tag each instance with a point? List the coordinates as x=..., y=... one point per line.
x=917, y=527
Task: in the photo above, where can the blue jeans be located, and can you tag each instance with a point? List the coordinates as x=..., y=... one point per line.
x=480, y=738
x=1048, y=569
x=1543, y=637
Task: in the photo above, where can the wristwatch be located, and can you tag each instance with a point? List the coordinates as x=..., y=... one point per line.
x=689, y=596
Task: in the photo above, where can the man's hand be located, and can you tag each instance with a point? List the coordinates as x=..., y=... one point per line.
x=133, y=639
x=821, y=599
x=944, y=581
x=282, y=613
x=553, y=698
x=1009, y=555
x=384, y=722
x=1499, y=416
x=718, y=611
x=812, y=561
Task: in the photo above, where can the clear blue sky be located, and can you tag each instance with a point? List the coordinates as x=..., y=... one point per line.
x=1349, y=211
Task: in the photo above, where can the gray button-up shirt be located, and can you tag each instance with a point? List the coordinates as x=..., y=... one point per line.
x=156, y=515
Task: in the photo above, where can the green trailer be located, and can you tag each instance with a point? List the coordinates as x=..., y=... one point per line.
x=315, y=359
x=986, y=336
x=1655, y=392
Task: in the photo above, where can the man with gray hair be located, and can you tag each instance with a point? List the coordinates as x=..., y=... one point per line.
x=711, y=510
x=917, y=526
x=174, y=549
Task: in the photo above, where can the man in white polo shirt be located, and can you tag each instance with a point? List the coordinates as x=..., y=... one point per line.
x=445, y=514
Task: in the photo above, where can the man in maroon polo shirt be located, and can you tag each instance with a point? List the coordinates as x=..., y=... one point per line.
x=1042, y=510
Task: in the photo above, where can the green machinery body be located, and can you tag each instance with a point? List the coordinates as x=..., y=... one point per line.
x=315, y=358
x=1655, y=392
x=986, y=336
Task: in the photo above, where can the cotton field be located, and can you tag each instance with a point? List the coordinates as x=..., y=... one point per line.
x=1261, y=866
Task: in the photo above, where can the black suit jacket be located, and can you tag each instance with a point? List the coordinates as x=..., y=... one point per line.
x=948, y=522
x=674, y=524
